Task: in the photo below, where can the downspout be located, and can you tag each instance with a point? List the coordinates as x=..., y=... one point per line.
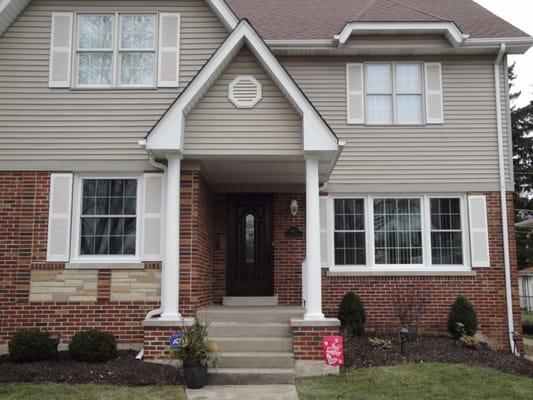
x=163, y=167
x=503, y=201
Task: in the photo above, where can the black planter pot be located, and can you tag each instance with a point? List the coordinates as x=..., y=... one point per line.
x=195, y=374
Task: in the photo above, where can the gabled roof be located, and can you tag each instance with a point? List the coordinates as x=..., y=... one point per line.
x=323, y=19
x=168, y=132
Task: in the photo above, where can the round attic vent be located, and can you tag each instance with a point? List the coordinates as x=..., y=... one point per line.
x=245, y=91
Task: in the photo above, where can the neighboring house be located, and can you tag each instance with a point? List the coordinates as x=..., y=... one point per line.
x=525, y=288
x=161, y=157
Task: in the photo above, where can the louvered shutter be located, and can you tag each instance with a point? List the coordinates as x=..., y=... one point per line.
x=169, y=43
x=479, y=235
x=324, y=231
x=245, y=91
x=153, y=205
x=434, y=101
x=59, y=218
x=355, y=93
x=60, y=50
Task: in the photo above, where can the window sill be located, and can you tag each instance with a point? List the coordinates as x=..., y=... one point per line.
x=104, y=265
x=406, y=272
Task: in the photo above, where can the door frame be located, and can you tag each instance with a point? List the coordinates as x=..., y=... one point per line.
x=233, y=201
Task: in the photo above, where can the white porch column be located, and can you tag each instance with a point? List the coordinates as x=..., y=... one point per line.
x=171, y=269
x=313, y=279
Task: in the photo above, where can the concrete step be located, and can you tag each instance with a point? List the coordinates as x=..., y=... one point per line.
x=255, y=301
x=249, y=314
x=253, y=329
x=258, y=344
x=250, y=376
x=255, y=360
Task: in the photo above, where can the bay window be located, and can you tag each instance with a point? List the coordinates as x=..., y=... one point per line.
x=116, y=50
x=395, y=232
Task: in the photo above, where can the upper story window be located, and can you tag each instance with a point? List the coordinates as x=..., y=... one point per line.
x=104, y=60
x=394, y=93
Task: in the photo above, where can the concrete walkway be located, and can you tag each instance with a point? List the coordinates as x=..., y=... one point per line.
x=247, y=392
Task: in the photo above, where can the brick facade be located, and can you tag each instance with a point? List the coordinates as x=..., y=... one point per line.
x=23, y=237
x=307, y=341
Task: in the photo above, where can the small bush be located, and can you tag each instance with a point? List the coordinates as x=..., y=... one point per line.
x=462, y=311
x=93, y=346
x=380, y=343
x=31, y=345
x=468, y=341
x=352, y=314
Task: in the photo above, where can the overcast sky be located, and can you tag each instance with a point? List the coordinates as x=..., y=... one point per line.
x=520, y=14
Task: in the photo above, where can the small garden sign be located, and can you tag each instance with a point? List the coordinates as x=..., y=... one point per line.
x=333, y=349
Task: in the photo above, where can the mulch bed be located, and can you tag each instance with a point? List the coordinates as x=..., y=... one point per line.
x=124, y=370
x=359, y=353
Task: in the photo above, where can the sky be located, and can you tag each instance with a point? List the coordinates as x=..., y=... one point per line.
x=520, y=14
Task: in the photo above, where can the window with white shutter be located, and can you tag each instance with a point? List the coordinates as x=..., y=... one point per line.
x=434, y=101
x=59, y=217
x=60, y=50
x=153, y=205
x=355, y=93
x=323, y=231
x=479, y=235
x=169, y=41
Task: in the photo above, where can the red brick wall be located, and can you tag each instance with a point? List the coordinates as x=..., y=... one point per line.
x=307, y=341
x=486, y=290
x=156, y=343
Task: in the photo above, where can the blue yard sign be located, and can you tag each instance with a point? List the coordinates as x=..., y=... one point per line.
x=175, y=340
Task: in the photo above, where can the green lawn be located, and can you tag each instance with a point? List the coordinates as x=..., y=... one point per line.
x=52, y=391
x=418, y=381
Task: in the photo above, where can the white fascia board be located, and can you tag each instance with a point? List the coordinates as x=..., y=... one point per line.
x=222, y=10
x=450, y=30
x=9, y=11
x=318, y=137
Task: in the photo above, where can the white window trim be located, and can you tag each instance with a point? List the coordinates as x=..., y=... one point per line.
x=116, y=50
x=75, y=256
x=394, y=93
x=427, y=266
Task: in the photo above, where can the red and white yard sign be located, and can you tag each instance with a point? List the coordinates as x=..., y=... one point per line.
x=333, y=350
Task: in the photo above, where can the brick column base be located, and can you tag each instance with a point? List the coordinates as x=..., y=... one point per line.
x=307, y=346
x=156, y=339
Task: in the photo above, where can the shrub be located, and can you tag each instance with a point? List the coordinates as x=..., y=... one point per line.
x=352, y=314
x=93, y=346
x=31, y=345
x=462, y=311
x=409, y=307
x=468, y=341
x=380, y=343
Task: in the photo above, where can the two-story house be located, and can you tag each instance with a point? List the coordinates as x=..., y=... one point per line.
x=249, y=162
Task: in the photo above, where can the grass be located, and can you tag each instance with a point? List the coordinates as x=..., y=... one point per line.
x=53, y=391
x=418, y=381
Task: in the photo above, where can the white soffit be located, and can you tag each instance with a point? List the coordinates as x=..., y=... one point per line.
x=449, y=29
x=168, y=133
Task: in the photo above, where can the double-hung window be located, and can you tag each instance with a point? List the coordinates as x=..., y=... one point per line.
x=394, y=93
x=116, y=50
x=399, y=232
x=108, y=217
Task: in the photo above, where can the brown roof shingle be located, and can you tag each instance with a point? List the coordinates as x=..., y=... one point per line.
x=322, y=19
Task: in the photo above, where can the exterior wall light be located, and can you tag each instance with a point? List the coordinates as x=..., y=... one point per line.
x=294, y=207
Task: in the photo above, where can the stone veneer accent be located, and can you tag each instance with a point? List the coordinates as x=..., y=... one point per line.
x=142, y=285
x=63, y=285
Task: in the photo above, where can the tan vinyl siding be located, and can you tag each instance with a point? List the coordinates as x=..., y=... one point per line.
x=216, y=127
x=461, y=154
x=42, y=128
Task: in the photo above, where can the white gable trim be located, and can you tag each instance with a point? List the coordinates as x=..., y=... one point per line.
x=221, y=9
x=449, y=29
x=168, y=133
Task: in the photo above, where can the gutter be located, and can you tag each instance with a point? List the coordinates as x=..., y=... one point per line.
x=503, y=201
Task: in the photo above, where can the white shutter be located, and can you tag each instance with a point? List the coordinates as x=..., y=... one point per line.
x=323, y=231
x=59, y=216
x=60, y=50
x=479, y=235
x=355, y=104
x=434, y=101
x=169, y=43
x=152, y=200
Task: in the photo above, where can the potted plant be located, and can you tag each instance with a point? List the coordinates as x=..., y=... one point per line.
x=196, y=352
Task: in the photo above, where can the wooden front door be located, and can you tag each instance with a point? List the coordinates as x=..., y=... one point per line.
x=249, y=270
